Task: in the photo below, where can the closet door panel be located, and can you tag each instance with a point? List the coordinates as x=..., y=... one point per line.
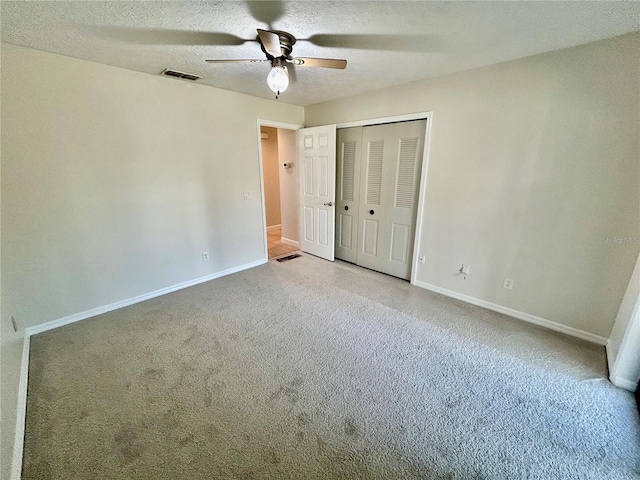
x=349, y=146
x=400, y=242
x=370, y=230
x=403, y=184
x=390, y=172
x=373, y=205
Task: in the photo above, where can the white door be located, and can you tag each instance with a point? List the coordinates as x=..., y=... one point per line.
x=317, y=159
x=389, y=182
x=348, y=192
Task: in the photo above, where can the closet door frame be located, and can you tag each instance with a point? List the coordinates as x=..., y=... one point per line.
x=428, y=116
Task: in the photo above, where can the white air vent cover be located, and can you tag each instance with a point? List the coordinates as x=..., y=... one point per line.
x=175, y=73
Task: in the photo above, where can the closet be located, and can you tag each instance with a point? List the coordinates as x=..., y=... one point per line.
x=377, y=182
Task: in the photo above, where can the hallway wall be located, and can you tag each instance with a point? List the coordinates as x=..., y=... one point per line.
x=289, y=185
x=270, y=169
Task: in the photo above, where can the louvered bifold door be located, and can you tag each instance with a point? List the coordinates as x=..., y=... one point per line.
x=389, y=181
x=347, y=192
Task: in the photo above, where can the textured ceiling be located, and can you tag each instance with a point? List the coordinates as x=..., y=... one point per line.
x=385, y=43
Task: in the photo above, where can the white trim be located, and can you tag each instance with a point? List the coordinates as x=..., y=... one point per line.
x=21, y=414
x=543, y=322
x=377, y=121
x=623, y=383
x=422, y=195
x=268, y=123
x=288, y=241
x=43, y=327
x=614, y=360
x=262, y=198
x=286, y=126
x=610, y=357
x=274, y=227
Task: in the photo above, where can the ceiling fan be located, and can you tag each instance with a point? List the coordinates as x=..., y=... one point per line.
x=278, y=46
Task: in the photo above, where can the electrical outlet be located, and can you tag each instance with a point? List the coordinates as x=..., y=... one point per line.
x=14, y=324
x=508, y=284
x=205, y=256
x=422, y=259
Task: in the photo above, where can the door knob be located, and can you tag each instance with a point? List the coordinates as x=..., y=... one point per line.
x=371, y=212
x=328, y=204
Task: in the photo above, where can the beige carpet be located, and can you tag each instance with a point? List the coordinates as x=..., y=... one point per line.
x=317, y=370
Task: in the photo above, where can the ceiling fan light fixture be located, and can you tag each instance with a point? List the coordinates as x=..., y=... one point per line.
x=277, y=47
x=278, y=79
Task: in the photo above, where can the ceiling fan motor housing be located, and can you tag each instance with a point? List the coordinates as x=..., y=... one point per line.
x=286, y=43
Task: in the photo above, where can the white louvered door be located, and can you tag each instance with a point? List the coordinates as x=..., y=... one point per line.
x=403, y=181
x=389, y=175
x=347, y=192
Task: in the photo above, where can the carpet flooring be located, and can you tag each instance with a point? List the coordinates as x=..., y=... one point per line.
x=316, y=370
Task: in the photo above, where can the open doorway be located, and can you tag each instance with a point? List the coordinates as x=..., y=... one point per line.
x=281, y=190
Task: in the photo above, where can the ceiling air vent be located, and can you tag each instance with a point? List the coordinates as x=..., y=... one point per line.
x=175, y=73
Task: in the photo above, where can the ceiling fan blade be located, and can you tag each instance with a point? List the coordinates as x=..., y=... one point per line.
x=239, y=60
x=270, y=42
x=386, y=42
x=293, y=76
x=319, y=62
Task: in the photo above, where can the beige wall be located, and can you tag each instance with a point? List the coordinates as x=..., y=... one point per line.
x=289, y=185
x=271, y=172
x=114, y=182
x=533, y=170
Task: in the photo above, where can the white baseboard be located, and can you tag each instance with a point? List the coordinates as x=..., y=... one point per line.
x=76, y=317
x=611, y=360
x=273, y=227
x=623, y=383
x=543, y=322
x=21, y=411
x=287, y=241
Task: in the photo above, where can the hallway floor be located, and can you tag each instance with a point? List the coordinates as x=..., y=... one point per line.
x=275, y=245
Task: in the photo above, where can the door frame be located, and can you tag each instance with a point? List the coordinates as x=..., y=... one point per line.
x=274, y=124
x=422, y=189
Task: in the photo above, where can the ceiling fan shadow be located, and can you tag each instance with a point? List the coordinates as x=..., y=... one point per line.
x=388, y=42
x=266, y=11
x=161, y=36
